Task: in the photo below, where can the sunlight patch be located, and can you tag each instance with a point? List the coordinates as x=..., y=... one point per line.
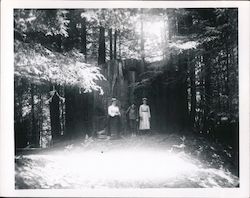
x=185, y=45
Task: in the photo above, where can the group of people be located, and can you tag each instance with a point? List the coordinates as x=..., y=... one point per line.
x=136, y=119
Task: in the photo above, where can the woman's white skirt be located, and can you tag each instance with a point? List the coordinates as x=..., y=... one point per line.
x=144, y=121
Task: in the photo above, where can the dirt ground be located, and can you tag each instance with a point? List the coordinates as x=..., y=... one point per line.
x=156, y=161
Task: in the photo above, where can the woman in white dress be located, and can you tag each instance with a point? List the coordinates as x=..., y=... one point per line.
x=114, y=120
x=144, y=113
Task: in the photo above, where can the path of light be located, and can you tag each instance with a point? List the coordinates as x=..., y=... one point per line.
x=154, y=28
x=151, y=28
x=154, y=33
x=130, y=165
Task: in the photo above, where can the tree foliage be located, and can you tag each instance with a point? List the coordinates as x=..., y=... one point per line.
x=49, y=22
x=41, y=65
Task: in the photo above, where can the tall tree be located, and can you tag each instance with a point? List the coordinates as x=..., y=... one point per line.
x=84, y=38
x=34, y=129
x=142, y=42
x=102, y=47
x=110, y=44
x=55, y=114
x=115, y=44
x=193, y=91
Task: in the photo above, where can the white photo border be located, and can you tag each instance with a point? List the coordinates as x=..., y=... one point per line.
x=7, y=167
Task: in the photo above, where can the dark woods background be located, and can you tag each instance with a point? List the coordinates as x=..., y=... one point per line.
x=189, y=74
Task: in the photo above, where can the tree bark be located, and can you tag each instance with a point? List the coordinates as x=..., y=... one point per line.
x=34, y=131
x=115, y=45
x=84, y=38
x=101, y=49
x=183, y=94
x=21, y=130
x=59, y=40
x=69, y=112
x=227, y=76
x=208, y=91
x=40, y=119
x=193, y=94
x=110, y=44
x=55, y=117
x=120, y=45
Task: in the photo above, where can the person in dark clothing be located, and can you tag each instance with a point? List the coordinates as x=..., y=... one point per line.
x=132, y=119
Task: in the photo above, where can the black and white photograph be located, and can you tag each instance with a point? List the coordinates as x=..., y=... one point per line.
x=126, y=98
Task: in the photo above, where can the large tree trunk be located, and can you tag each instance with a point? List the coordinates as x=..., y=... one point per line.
x=172, y=23
x=193, y=94
x=59, y=40
x=114, y=78
x=70, y=123
x=183, y=97
x=34, y=131
x=55, y=117
x=20, y=124
x=79, y=113
x=131, y=77
x=110, y=45
x=185, y=121
x=227, y=77
x=120, y=46
x=84, y=38
x=91, y=121
x=115, y=45
x=208, y=91
x=101, y=49
x=40, y=119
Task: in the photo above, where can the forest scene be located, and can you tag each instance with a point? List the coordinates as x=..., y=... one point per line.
x=72, y=65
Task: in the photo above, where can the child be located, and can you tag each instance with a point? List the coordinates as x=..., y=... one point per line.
x=132, y=118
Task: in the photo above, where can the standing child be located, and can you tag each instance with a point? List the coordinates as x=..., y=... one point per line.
x=133, y=118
